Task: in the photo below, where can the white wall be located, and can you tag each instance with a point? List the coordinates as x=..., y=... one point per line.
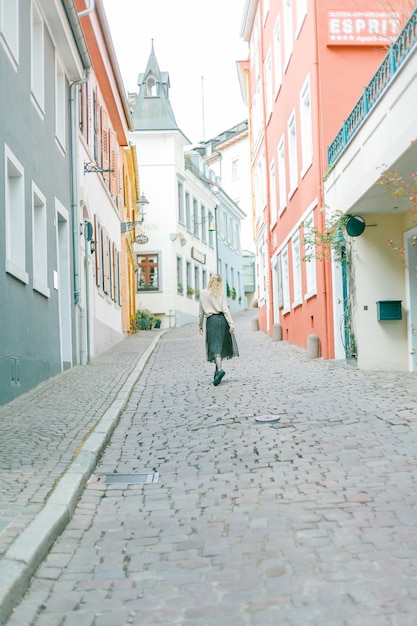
x=382, y=345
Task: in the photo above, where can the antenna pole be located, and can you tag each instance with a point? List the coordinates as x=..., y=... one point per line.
x=202, y=107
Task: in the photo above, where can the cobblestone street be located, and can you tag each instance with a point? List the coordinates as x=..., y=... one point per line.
x=307, y=520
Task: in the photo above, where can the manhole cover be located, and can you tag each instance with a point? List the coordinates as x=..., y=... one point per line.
x=130, y=479
x=267, y=418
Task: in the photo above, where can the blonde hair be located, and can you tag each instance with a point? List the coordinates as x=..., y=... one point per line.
x=215, y=284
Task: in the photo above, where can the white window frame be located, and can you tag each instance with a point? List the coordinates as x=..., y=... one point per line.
x=60, y=104
x=277, y=57
x=292, y=154
x=285, y=281
x=15, y=221
x=235, y=168
x=257, y=113
x=306, y=127
x=282, y=178
x=301, y=8
x=310, y=262
x=269, y=97
x=296, y=270
x=265, y=10
x=273, y=213
x=288, y=32
x=260, y=186
x=9, y=29
x=37, y=58
x=39, y=242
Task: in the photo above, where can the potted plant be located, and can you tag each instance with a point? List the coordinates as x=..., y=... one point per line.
x=158, y=322
x=144, y=319
x=180, y=288
x=190, y=290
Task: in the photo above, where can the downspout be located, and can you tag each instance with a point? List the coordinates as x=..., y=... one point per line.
x=74, y=21
x=326, y=305
x=88, y=10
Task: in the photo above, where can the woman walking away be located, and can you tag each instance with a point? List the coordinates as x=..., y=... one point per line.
x=220, y=340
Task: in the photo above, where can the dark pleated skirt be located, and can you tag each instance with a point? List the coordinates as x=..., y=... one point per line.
x=219, y=340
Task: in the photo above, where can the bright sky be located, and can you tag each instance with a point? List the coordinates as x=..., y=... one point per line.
x=198, y=43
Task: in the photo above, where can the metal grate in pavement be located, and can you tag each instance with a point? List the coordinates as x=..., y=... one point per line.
x=130, y=479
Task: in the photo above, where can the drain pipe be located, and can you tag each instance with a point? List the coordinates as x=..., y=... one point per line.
x=73, y=18
x=88, y=10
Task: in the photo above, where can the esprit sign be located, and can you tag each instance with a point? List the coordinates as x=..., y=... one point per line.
x=362, y=28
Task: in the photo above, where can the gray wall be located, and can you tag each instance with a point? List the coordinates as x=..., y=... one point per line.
x=29, y=321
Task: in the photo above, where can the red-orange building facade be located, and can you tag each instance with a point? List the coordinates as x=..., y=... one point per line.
x=309, y=61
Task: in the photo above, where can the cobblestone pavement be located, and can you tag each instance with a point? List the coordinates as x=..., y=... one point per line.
x=310, y=520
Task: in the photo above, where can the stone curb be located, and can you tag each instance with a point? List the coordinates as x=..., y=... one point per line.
x=33, y=544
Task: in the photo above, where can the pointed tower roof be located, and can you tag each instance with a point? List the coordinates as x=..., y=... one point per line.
x=153, y=109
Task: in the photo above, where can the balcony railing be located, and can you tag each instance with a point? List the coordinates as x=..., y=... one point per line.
x=397, y=54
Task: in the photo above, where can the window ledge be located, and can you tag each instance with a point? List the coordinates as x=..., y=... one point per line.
x=41, y=288
x=17, y=272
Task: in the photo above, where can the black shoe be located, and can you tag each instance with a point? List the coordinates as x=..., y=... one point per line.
x=218, y=377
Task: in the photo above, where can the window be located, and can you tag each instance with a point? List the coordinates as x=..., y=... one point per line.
x=296, y=270
x=257, y=113
x=180, y=286
x=301, y=13
x=268, y=84
x=277, y=56
x=196, y=218
x=285, y=280
x=180, y=189
x=288, y=30
x=197, y=281
x=60, y=103
x=260, y=186
x=292, y=154
x=188, y=213
x=15, y=218
x=272, y=194
x=309, y=253
x=282, y=177
x=39, y=242
x=37, y=58
x=204, y=223
x=306, y=127
x=148, y=272
x=235, y=169
x=265, y=9
x=150, y=87
x=189, y=278
x=212, y=233
x=9, y=21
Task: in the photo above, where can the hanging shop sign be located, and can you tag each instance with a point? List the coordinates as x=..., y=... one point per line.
x=141, y=238
x=198, y=256
x=362, y=28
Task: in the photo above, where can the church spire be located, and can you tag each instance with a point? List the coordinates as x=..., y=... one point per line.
x=153, y=109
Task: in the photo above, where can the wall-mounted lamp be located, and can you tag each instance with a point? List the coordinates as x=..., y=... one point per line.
x=88, y=234
x=173, y=237
x=93, y=168
x=141, y=204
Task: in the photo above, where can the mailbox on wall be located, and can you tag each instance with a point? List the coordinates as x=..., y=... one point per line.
x=389, y=310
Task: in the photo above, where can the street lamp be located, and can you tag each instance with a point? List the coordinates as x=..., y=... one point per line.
x=141, y=203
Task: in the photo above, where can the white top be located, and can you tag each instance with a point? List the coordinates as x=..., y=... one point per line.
x=211, y=305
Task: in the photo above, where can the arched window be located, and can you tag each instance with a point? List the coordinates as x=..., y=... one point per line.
x=150, y=87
